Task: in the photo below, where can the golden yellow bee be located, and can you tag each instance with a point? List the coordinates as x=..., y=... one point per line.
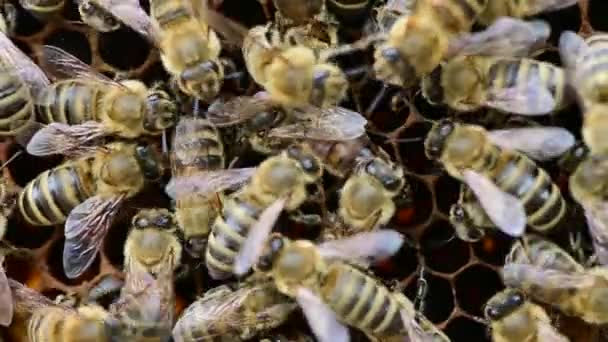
x=242, y=313
x=513, y=318
x=512, y=190
x=86, y=193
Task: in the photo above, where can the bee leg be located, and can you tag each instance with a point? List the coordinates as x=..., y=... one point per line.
x=421, y=292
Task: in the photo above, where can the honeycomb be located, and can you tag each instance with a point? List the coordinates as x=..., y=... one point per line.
x=460, y=276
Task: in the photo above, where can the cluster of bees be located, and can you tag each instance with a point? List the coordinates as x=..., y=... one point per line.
x=113, y=135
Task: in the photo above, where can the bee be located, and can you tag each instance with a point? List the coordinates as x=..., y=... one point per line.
x=495, y=9
x=580, y=294
x=292, y=75
x=434, y=31
x=96, y=16
x=20, y=80
x=152, y=253
x=8, y=18
x=242, y=313
x=587, y=186
x=512, y=190
x=43, y=9
x=86, y=193
x=278, y=183
x=516, y=85
x=514, y=318
x=366, y=198
x=584, y=60
x=88, y=106
x=330, y=291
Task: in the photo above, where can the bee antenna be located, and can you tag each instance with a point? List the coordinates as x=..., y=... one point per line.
x=196, y=110
x=376, y=101
x=165, y=145
x=360, y=44
x=13, y=157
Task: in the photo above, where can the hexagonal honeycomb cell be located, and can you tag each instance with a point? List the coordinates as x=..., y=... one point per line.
x=460, y=276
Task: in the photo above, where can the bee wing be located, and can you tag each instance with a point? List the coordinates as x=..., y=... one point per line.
x=130, y=13
x=505, y=210
x=69, y=140
x=62, y=65
x=321, y=318
x=236, y=110
x=13, y=59
x=546, y=332
x=597, y=218
x=6, y=299
x=540, y=143
x=334, y=124
x=505, y=37
x=85, y=228
x=27, y=300
x=540, y=6
x=254, y=243
x=378, y=244
x=208, y=182
x=415, y=332
x=571, y=48
x=531, y=98
x=524, y=275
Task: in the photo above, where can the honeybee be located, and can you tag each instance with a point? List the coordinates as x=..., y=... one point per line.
x=242, y=313
x=510, y=188
x=267, y=124
x=586, y=69
x=587, y=185
x=278, y=183
x=47, y=321
x=43, y=9
x=330, y=291
x=21, y=80
x=513, y=318
x=582, y=294
x=292, y=75
x=96, y=16
x=495, y=9
x=86, y=193
x=366, y=198
x=87, y=106
x=434, y=31
x=516, y=85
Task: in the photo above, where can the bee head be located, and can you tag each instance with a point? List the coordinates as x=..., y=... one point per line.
x=434, y=143
x=161, y=111
x=203, y=81
x=158, y=218
x=503, y=304
x=306, y=159
x=148, y=161
x=390, y=177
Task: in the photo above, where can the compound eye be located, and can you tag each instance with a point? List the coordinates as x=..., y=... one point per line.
x=517, y=299
x=276, y=244
x=446, y=129
x=142, y=223
x=391, y=54
x=309, y=165
x=492, y=313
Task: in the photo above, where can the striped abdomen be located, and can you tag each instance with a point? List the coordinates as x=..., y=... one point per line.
x=45, y=324
x=168, y=13
x=227, y=236
x=49, y=198
x=457, y=16
x=519, y=176
x=592, y=70
x=507, y=73
x=361, y=301
x=197, y=145
x=16, y=108
x=70, y=102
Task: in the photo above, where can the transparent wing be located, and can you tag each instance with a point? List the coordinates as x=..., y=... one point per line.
x=6, y=299
x=505, y=210
x=571, y=48
x=334, y=124
x=321, y=319
x=375, y=245
x=62, y=65
x=505, y=37
x=13, y=59
x=546, y=332
x=208, y=182
x=85, y=228
x=524, y=275
x=254, y=243
x=597, y=218
x=130, y=13
x=236, y=110
x=540, y=143
x=540, y=6
x=530, y=98
x=26, y=300
x=69, y=140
